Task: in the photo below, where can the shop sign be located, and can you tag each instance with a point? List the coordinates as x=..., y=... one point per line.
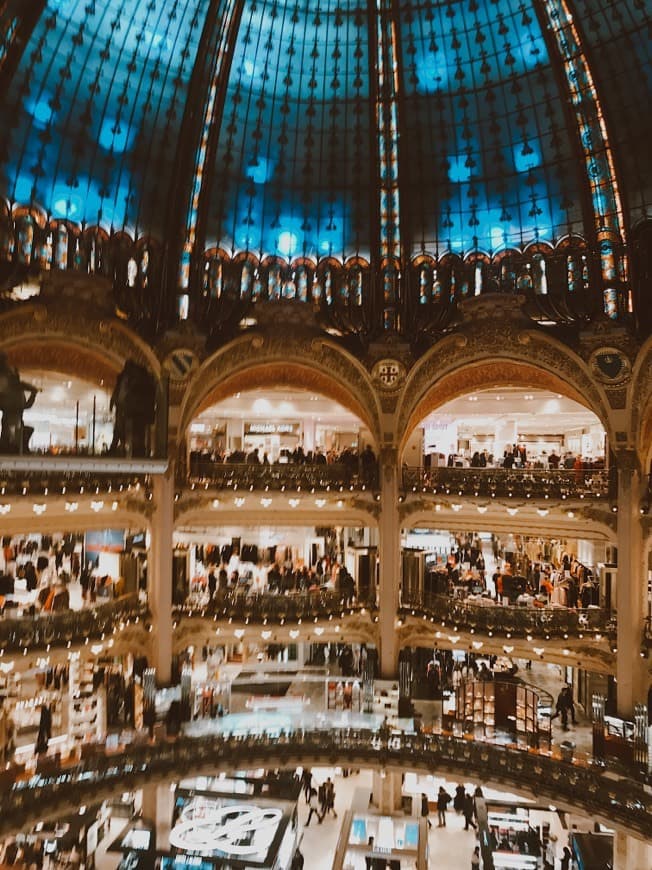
x=263, y=428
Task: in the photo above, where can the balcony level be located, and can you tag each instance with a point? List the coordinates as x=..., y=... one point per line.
x=517, y=483
x=615, y=796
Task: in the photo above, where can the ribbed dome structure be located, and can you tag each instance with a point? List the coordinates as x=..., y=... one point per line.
x=422, y=143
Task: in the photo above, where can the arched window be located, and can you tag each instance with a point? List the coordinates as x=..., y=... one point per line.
x=477, y=279
x=389, y=278
x=302, y=283
x=355, y=286
x=213, y=277
x=425, y=284
x=25, y=232
x=246, y=279
x=61, y=249
x=274, y=282
x=539, y=274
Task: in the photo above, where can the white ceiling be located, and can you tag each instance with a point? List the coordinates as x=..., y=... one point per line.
x=537, y=411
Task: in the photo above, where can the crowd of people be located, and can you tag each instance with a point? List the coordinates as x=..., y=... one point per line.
x=537, y=580
x=362, y=464
x=516, y=456
x=273, y=577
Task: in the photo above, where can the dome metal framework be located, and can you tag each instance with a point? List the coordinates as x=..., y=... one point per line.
x=389, y=158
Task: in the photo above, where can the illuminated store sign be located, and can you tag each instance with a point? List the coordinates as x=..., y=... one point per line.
x=272, y=428
x=237, y=830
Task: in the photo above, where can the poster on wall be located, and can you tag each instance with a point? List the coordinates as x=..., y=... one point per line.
x=105, y=541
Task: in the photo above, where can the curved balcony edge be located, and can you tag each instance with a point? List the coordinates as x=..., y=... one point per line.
x=67, y=627
x=617, y=800
x=528, y=483
x=511, y=620
x=280, y=609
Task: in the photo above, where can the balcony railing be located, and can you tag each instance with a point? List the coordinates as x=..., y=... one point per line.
x=55, y=790
x=68, y=477
x=512, y=619
x=69, y=626
x=273, y=608
x=280, y=477
x=509, y=482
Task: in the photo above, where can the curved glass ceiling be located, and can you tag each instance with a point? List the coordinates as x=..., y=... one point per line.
x=94, y=110
x=488, y=153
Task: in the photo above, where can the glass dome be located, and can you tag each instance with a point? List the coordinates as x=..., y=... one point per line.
x=293, y=129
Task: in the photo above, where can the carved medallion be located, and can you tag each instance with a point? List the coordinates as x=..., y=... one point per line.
x=610, y=365
x=180, y=363
x=388, y=373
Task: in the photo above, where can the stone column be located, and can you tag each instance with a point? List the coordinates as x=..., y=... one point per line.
x=389, y=555
x=157, y=807
x=159, y=575
x=630, y=667
x=630, y=853
x=386, y=792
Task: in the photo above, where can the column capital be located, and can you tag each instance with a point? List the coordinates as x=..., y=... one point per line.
x=627, y=460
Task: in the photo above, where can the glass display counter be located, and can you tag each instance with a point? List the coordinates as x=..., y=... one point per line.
x=379, y=842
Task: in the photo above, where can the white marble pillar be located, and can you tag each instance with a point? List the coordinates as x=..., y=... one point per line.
x=159, y=575
x=389, y=555
x=386, y=792
x=631, y=854
x=630, y=667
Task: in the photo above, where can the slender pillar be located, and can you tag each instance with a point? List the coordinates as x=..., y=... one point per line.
x=389, y=554
x=630, y=853
x=630, y=667
x=386, y=792
x=160, y=574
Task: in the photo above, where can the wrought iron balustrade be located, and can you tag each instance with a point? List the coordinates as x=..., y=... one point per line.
x=71, y=482
x=280, y=477
x=68, y=626
x=272, y=607
x=621, y=797
x=511, y=619
x=510, y=482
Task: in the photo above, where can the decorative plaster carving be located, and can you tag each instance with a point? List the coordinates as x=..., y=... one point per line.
x=316, y=364
x=515, y=349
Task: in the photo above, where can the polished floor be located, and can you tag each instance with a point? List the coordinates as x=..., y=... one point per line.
x=449, y=848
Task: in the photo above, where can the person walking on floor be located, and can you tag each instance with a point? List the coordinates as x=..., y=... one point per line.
x=425, y=809
x=475, y=859
x=329, y=798
x=313, y=804
x=469, y=810
x=443, y=799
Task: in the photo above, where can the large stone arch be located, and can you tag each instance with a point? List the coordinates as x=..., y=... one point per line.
x=257, y=361
x=73, y=343
x=641, y=404
x=495, y=357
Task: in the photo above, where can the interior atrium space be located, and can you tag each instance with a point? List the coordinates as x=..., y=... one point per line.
x=326, y=434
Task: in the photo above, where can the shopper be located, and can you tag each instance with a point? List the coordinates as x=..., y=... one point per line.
x=566, y=859
x=469, y=810
x=306, y=782
x=425, y=808
x=475, y=859
x=561, y=708
x=570, y=703
x=313, y=804
x=443, y=799
x=458, y=800
x=329, y=798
